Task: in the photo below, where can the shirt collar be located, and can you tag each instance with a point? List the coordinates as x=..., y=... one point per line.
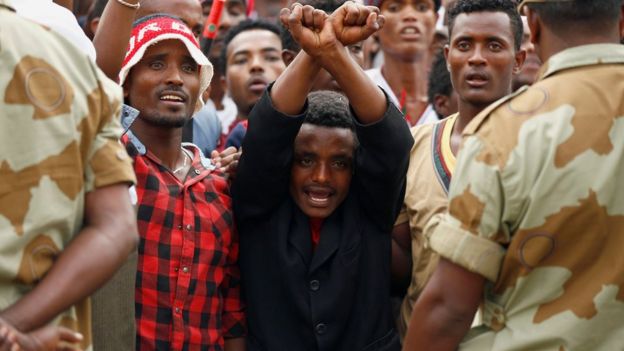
x=129, y=114
x=584, y=55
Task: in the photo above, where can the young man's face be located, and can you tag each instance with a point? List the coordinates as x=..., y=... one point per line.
x=189, y=12
x=409, y=27
x=481, y=57
x=164, y=85
x=322, y=169
x=234, y=12
x=254, y=59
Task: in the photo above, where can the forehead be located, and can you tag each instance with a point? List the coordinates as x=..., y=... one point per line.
x=385, y=3
x=190, y=11
x=320, y=139
x=254, y=40
x=482, y=24
x=171, y=47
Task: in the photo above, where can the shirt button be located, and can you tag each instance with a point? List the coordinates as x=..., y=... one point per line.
x=315, y=285
x=185, y=269
x=180, y=226
x=177, y=310
x=189, y=227
x=197, y=171
x=321, y=328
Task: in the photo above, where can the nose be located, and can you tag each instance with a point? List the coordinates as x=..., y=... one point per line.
x=477, y=58
x=256, y=64
x=321, y=173
x=174, y=75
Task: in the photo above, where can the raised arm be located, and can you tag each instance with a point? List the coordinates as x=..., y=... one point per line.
x=263, y=173
x=112, y=36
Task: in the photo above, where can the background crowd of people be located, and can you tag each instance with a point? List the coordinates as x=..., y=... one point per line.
x=311, y=175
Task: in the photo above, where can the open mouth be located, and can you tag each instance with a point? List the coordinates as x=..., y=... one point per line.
x=319, y=197
x=410, y=33
x=170, y=97
x=257, y=85
x=477, y=80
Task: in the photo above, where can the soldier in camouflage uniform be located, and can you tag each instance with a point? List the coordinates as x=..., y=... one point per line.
x=535, y=226
x=66, y=222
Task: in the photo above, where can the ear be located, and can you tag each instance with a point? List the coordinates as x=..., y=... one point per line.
x=622, y=23
x=440, y=104
x=288, y=56
x=519, y=61
x=446, y=53
x=534, y=26
x=93, y=25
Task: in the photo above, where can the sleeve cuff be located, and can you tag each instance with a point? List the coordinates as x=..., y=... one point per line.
x=476, y=254
x=234, y=325
x=402, y=217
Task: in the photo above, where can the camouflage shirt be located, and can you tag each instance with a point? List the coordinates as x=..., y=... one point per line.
x=59, y=130
x=537, y=208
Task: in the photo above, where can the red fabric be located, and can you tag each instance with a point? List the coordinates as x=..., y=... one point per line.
x=315, y=231
x=148, y=30
x=187, y=286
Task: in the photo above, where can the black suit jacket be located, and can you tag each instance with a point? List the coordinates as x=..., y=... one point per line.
x=337, y=297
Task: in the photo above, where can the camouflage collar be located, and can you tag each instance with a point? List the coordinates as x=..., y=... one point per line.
x=585, y=55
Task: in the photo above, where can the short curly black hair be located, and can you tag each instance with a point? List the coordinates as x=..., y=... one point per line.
x=439, y=79
x=329, y=109
x=244, y=26
x=472, y=6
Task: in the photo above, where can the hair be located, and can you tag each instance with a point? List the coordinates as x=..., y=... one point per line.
x=244, y=26
x=472, y=6
x=329, y=6
x=439, y=79
x=329, y=109
x=566, y=18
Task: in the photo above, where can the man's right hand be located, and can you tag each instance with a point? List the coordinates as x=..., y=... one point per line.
x=48, y=338
x=353, y=23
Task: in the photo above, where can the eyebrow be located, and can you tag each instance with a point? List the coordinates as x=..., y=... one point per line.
x=247, y=51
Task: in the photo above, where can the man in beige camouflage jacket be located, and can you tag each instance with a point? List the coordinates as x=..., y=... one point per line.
x=535, y=227
x=66, y=222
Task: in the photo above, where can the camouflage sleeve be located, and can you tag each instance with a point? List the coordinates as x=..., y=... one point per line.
x=107, y=160
x=471, y=234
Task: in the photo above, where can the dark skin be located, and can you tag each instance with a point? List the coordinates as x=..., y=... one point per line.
x=406, y=58
x=323, y=39
x=445, y=310
x=97, y=251
x=48, y=338
x=480, y=42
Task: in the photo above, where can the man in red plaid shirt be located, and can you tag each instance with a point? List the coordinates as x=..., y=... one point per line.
x=187, y=286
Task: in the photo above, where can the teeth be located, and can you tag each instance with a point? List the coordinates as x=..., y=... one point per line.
x=409, y=31
x=171, y=97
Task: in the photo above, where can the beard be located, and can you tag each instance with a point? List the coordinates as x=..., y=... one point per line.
x=166, y=120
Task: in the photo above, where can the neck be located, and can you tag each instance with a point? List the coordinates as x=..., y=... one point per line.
x=466, y=112
x=163, y=142
x=408, y=75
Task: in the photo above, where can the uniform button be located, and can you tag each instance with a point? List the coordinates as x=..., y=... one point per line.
x=321, y=328
x=185, y=269
x=314, y=285
x=189, y=227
